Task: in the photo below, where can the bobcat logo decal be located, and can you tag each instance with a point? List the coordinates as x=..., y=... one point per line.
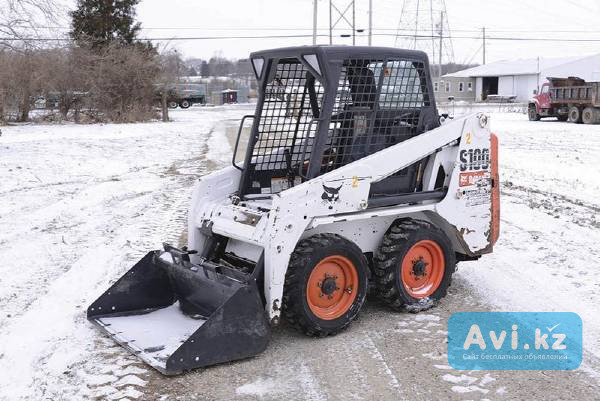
x=330, y=194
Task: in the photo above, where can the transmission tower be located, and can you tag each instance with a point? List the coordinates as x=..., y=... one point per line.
x=424, y=26
x=342, y=19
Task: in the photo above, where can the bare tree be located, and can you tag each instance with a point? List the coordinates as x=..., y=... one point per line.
x=170, y=65
x=25, y=76
x=22, y=21
x=121, y=82
x=4, y=77
x=62, y=78
x=21, y=24
x=116, y=82
x=19, y=80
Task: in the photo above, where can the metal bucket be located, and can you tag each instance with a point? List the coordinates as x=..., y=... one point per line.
x=178, y=316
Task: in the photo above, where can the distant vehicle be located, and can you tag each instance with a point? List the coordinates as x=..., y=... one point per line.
x=501, y=99
x=51, y=100
x=183, y=95
x=568, y=99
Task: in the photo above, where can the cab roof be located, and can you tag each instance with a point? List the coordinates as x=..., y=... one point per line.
x=337, y=52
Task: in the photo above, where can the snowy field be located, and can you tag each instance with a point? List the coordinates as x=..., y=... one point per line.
x=80, y=204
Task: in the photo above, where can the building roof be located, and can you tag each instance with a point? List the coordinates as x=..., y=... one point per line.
x=515, y=67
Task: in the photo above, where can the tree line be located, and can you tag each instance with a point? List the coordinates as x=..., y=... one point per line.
x=217, y=66
x=101, y=72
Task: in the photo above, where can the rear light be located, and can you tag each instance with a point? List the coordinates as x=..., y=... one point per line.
x=495, y=189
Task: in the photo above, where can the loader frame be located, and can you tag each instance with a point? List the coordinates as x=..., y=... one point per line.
x=342, y=199
x=271, y=229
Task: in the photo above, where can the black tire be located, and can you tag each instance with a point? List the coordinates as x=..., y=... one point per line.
x=185, y=104
x=305, y=258
x=589, y=115
x=398, y=240
x=172, y=104
x=532, y=114
x=575, y=115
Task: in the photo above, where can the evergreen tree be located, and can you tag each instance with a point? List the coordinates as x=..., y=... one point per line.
x=204, y=69
x=101, y=22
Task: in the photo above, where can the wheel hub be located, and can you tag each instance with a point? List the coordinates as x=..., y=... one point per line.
x=328, y=285
x=423, y=268
x=419, y=267
x=330, y=288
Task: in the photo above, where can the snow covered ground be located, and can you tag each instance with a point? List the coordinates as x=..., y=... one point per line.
x=548, y=255
x=80, y=204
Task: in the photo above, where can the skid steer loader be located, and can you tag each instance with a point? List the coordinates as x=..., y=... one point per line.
x=350, y=181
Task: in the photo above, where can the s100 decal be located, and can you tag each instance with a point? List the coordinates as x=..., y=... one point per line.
x=474, y=159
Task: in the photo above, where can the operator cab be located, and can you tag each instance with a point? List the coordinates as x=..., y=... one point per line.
x=322, y=107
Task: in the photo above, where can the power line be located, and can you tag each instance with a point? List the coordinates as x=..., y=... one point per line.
x=160, y=39
x=503, y=38
x=474, y=55
x=180, y=28
x=420, y=36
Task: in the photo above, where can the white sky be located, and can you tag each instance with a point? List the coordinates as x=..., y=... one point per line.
x=519, y=18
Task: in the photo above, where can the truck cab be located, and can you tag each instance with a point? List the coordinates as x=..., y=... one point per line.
x=540, y=104
x=544, y=100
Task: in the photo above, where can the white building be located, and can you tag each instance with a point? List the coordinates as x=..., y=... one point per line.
x=520, y=78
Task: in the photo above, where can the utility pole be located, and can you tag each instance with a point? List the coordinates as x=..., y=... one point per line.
x=538, y=74
x=353, y=23
x=315, y=7
x=441, y=39
x=370, y=22
x=484, y=45
x=345, y=16
x=330, y=22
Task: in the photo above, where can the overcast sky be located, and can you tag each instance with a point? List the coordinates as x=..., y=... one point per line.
x=518, y=18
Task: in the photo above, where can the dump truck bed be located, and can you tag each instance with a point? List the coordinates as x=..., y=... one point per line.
x=574, y=91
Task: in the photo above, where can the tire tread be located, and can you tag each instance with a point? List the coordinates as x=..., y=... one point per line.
x=293, y=311
x=390, y=254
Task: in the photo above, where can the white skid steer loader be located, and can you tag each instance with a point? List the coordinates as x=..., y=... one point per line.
x=350, y=182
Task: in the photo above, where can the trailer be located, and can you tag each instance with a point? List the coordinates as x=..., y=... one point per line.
x=183, y=95
x=571, y=99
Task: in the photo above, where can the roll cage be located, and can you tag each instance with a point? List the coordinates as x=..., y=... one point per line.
x=322, y=107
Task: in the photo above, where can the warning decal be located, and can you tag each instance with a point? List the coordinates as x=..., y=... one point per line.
x=472, y=178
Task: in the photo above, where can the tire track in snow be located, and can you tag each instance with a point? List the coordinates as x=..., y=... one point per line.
x=72, y=361
x=582, y=213
x=125, y=378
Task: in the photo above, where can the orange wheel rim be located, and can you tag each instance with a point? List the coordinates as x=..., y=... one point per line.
x=332, y=287
x=423, y=269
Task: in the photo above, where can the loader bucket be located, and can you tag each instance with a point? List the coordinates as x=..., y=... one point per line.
x=178, y=316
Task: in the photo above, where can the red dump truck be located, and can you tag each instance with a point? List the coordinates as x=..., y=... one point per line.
x=571, y=99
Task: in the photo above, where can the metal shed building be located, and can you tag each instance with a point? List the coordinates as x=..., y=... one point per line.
x=520, y=78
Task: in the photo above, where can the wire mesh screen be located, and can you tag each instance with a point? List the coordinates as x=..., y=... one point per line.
x=286, y=130
x=378, y=104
